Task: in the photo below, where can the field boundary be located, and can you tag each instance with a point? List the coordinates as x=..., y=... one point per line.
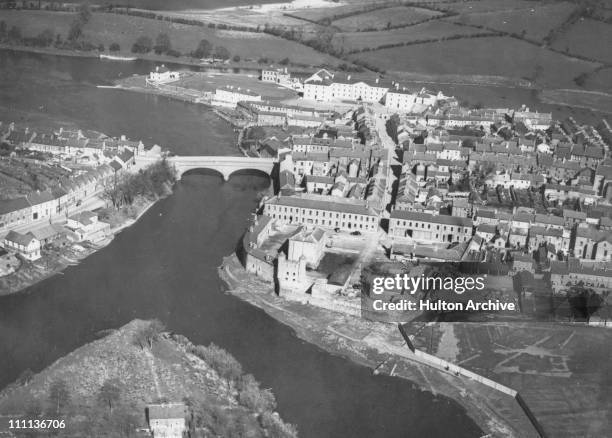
x=423, y=41
x=457, y=370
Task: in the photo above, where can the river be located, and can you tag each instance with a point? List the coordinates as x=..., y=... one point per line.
x=165, y=266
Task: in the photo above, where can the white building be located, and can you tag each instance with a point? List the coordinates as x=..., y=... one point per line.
x=163, y=75
x=335, y=88
x=167, y=420
x=277, y=76
x=403, y=100
x=323, y=211
x=87, y=227
x=26, y=245
x=308, y=244
x=229, y=96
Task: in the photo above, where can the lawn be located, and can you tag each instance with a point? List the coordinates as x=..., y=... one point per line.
x=383, y=18
x=122, y=29
x=429, y=30
x=497, y=56
x=589, y=38
x=534, y=23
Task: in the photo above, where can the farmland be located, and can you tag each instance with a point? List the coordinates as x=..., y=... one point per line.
x=384, y=18
x=124, y=30
x=556, y=368
x=588, y=38
x=500, y=56
x=436, y=29
x=320, y=14
x=177, y=5
x=487, y=5
x=534, y=23
x=600, y=80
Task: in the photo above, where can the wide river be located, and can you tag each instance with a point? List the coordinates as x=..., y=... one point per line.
x=165, y=266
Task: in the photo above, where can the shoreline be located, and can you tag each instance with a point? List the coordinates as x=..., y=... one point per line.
x=490, y=410
x=36, y=274
x=138, y=57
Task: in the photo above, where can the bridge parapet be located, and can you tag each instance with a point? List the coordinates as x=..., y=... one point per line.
x=225, y=165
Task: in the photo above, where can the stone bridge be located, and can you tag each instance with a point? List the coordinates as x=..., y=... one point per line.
x=225, y=165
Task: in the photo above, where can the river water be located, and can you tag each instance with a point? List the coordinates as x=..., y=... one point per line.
x=165, y=266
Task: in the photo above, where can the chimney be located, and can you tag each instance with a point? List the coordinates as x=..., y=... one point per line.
x=377, y=80
x=157, y=68
x=348, y=78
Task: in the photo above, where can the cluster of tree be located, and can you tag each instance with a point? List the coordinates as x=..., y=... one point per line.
x=224, y=422
x=392, y=125
x=149, y=333
x=76, y=27
x=14, y=35
x=149, y=183
x=205, y=50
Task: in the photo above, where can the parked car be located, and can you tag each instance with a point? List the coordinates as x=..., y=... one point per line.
x=356, y=233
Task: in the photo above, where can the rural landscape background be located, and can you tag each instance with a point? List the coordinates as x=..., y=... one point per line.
x=554, y=47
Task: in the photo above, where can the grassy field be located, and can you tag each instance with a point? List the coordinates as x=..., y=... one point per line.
x=600, y=80
x=487, y=5
x=589, y=38
x=318, y=14
x=122, y=29
x=597, y=101
x=177, y=5
x=558, y=370
x=430, y=29
x=534, y=23
x=211, y=81
x=383, y=18
x=501, y=56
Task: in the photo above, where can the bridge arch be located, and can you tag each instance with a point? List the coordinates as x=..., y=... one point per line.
x=200, y=170
x=225, y=165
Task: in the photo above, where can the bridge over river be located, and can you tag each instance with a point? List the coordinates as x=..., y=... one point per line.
x=225, y=165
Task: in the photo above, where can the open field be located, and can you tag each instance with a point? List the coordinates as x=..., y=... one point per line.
x=243, y=17
x=597, y=101
x=383, y=18
x=487, y=5
x=124, y=30
x=589, y=38
x=176, y=5
x=559, y=370
x=318, y=14
x=430, y=30
x=535, y=23
x=501, y=56
x=210, y=81
x=600, y=80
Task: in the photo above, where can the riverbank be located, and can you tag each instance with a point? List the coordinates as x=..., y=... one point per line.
x=53, y=262
x=379, y=347
x=191, y=63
